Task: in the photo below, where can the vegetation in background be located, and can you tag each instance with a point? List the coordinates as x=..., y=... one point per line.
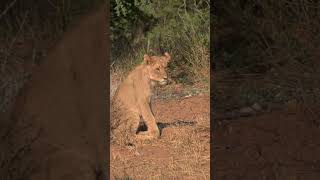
x=27, y=30
x=179, y=27
x=277, y=40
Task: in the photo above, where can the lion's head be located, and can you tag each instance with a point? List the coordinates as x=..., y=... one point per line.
x=156, y=67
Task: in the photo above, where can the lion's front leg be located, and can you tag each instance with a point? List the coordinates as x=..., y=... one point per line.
x=150, y=120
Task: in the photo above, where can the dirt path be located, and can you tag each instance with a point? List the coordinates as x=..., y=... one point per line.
x=183, y=152
x=277, y=145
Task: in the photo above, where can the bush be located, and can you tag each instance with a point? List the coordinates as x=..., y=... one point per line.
x=179, y=27
x=276, y=38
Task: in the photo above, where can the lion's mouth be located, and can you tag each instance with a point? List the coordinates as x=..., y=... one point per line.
x=163, y=82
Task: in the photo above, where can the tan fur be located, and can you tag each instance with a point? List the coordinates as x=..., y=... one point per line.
x=132, y=99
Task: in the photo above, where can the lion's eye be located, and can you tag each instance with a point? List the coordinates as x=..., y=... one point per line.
x=158, y=69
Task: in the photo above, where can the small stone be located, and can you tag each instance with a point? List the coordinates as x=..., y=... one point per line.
x=256, y=107
x=247, y=111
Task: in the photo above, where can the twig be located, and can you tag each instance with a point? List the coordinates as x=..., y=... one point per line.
x=7, y=9
x=13, y=42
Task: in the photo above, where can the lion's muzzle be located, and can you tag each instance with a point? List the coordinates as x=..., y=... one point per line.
x=164, y=82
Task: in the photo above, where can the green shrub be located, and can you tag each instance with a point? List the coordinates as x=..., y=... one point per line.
x=179, y=27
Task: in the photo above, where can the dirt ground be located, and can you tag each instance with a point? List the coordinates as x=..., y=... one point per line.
x=278, y=145
x=182, y=152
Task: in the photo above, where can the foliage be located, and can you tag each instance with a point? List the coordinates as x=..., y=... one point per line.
x=126, y=20
x=179, y=27
x=277, y=39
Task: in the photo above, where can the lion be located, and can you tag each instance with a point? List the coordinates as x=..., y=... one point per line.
x=132, y=100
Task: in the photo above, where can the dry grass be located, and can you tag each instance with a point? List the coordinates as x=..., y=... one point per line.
x=120, y=68
x=183, y=152
x=116, y=77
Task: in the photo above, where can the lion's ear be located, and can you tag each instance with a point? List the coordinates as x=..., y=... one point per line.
x=168, y=56
x=147, y=59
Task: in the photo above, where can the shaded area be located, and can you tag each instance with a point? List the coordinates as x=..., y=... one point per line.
x=175, y=123
x=277, y=145
x=266, y=58
x=59, y=118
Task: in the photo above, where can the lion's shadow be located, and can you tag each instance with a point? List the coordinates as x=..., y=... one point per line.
x=175, y=123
